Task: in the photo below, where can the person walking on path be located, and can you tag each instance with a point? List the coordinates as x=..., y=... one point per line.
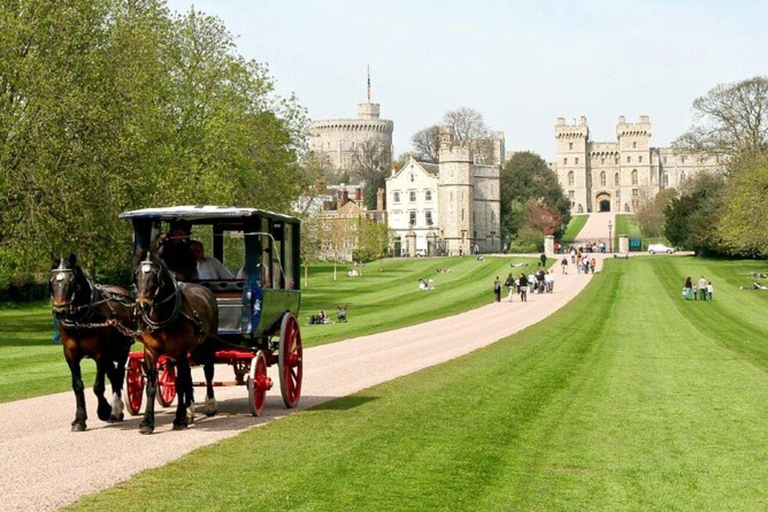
x=531, y=282
x=497, y=289
x=510, y=284
x=702, y=288
x=710, y=291
x=688, y=288
x=564, y=265
x=543, y=260
x=523, y=282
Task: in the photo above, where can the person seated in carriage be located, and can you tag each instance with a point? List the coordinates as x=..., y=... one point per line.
x=208, y=268
x=176, y=253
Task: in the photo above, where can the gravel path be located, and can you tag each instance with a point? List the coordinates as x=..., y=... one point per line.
x=596, y=227
x=45, y=466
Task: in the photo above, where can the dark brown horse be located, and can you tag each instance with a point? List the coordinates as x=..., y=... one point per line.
x=87, y=313
x=174, y=318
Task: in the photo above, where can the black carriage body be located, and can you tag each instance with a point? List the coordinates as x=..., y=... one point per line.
x=267, y=284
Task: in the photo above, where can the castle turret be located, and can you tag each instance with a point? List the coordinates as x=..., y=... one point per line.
x=456, y=195
x=572, y=146
x=635, y=145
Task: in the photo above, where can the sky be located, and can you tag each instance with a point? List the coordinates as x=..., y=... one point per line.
x=521, y=64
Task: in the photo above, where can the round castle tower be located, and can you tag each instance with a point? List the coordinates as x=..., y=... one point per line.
x=338, y=140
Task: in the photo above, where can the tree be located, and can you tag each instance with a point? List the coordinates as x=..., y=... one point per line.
x=732, y=119
x=526, y=177
x=370, y=166
x=426, y=144
x=372, y=240
x=692, y=219
x=109, y=105
x=649, y=211
x=743, y=225
x=470, y=130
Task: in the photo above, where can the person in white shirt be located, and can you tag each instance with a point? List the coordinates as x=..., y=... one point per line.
x=208, y=268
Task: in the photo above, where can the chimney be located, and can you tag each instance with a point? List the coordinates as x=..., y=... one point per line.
x=343, y=196
x=359, y=193
x=381, y=199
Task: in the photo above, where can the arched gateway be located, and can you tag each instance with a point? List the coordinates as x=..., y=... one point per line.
x=603, y=201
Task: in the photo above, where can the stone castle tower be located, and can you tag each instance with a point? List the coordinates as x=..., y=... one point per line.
x=456, y=195
x=339, y=140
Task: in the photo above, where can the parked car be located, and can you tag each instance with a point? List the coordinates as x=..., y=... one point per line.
x=421, y=253
x=660, y=249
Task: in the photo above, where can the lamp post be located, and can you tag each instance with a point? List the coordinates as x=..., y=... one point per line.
x=610, y=236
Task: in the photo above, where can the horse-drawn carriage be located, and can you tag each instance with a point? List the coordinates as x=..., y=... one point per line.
x=257, y=297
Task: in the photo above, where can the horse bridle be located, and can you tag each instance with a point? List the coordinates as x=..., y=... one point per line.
x=146, y=267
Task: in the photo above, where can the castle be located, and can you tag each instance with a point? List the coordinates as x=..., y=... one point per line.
x=446, y=208
x=614, y=176
x=340, y=141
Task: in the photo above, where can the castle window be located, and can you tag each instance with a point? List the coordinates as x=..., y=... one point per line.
x=571, y=195
x=682, y=159
x=602, y=161
x=665, y=159
x=682, y=176
x=616, y=161
x=640, y=158
x=427, y=195
x=665, y=180
x=428, y=217
x=570, y=145
x=635, y=193
x=577, y=160
x=602, y=179
x=634, y=145
x=570, y=179
x=634, y=178
x=629, y=159
x=411, y=219
x=616, y=179
x=412, y=196
x=565, y=161
x=413, y=177
x=396, y=196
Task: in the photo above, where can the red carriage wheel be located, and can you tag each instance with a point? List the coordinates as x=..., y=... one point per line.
x=258, y=383
x=134, y=385
x=166, y=382
x=289, y=360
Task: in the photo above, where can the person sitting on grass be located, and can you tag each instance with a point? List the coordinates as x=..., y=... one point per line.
x=341, y=313
x=425, y=285
x=755, y=286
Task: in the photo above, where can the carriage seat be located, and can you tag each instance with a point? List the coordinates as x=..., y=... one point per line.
x=224, y=286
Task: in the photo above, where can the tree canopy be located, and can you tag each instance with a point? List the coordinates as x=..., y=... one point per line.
x=108, y=105
x=528, y=184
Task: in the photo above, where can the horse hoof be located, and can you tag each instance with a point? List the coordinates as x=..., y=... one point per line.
x=210, y=407
x=146, y=429
x=78, y=427
x=104, y=411
x=116, y=419
x=179, y=425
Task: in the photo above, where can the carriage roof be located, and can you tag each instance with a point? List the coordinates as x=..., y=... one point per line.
x=204, y=213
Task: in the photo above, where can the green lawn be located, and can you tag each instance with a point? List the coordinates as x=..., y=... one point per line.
x=31, y=365
x=575, y=225
x=629, y=398
x=626, y=225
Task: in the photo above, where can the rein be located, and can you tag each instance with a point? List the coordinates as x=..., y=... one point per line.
x=176, y=296
x=98, y=296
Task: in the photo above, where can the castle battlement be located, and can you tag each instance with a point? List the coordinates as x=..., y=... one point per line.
x=573, y=130
x=640, y=129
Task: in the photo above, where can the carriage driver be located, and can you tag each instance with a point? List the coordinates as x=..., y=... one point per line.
x=176, y=252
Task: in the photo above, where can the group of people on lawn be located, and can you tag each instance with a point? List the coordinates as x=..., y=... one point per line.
x=702, y=290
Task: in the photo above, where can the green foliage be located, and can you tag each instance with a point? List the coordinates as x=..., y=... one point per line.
x=743, y=225
x=525, y=178
x=109, y=105
x=692, y=220
x=372, y=240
